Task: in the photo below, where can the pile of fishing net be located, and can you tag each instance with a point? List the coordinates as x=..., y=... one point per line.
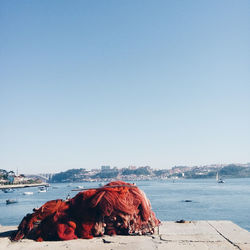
x=116, y=208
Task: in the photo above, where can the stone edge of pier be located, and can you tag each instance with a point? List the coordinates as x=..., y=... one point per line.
x=169, y=235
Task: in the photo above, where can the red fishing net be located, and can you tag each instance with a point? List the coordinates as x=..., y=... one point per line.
x=116, y=208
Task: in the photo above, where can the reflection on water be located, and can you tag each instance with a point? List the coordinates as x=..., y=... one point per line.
x=208, y=200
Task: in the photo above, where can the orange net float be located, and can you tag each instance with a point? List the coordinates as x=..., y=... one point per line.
x=116, y=208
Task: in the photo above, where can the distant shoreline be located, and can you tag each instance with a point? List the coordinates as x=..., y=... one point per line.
x=135, y=180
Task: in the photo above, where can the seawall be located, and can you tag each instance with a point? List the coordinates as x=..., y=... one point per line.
x=170, y=235
x=42, y=184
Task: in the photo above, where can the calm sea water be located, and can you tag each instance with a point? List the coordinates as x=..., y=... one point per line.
x=210, y=201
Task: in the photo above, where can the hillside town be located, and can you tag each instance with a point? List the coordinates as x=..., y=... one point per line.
x=131, y=173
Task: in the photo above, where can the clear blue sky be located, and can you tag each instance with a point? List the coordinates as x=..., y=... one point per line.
x=159, y=83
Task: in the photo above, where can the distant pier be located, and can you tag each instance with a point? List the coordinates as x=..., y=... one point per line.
x=14, y=186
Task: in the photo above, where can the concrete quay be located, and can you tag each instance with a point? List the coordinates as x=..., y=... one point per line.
x=200, y=235
x=14, y=186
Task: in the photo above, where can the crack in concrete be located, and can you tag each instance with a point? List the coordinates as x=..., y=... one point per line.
x=224, y=236
x=204, y=241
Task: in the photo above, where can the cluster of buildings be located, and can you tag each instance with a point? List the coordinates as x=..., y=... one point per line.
x=131, y=173
x=10, y=177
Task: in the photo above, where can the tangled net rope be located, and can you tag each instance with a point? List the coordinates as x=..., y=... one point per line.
x=117, y=208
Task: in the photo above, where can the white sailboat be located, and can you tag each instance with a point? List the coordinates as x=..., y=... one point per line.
x=219, y=180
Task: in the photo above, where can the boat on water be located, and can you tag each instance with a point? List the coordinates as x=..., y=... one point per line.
x=8, y=190
x=42, y=190
x=68, y=197
x=27, y=193
x=221, y=181
x=10, y=201
x=218, y=179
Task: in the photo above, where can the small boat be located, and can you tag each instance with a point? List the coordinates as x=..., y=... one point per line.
x=27, y=193
x=10, y=201
x=42, y=190
x=80, y=187
x=219, y=180
x=8, y=190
